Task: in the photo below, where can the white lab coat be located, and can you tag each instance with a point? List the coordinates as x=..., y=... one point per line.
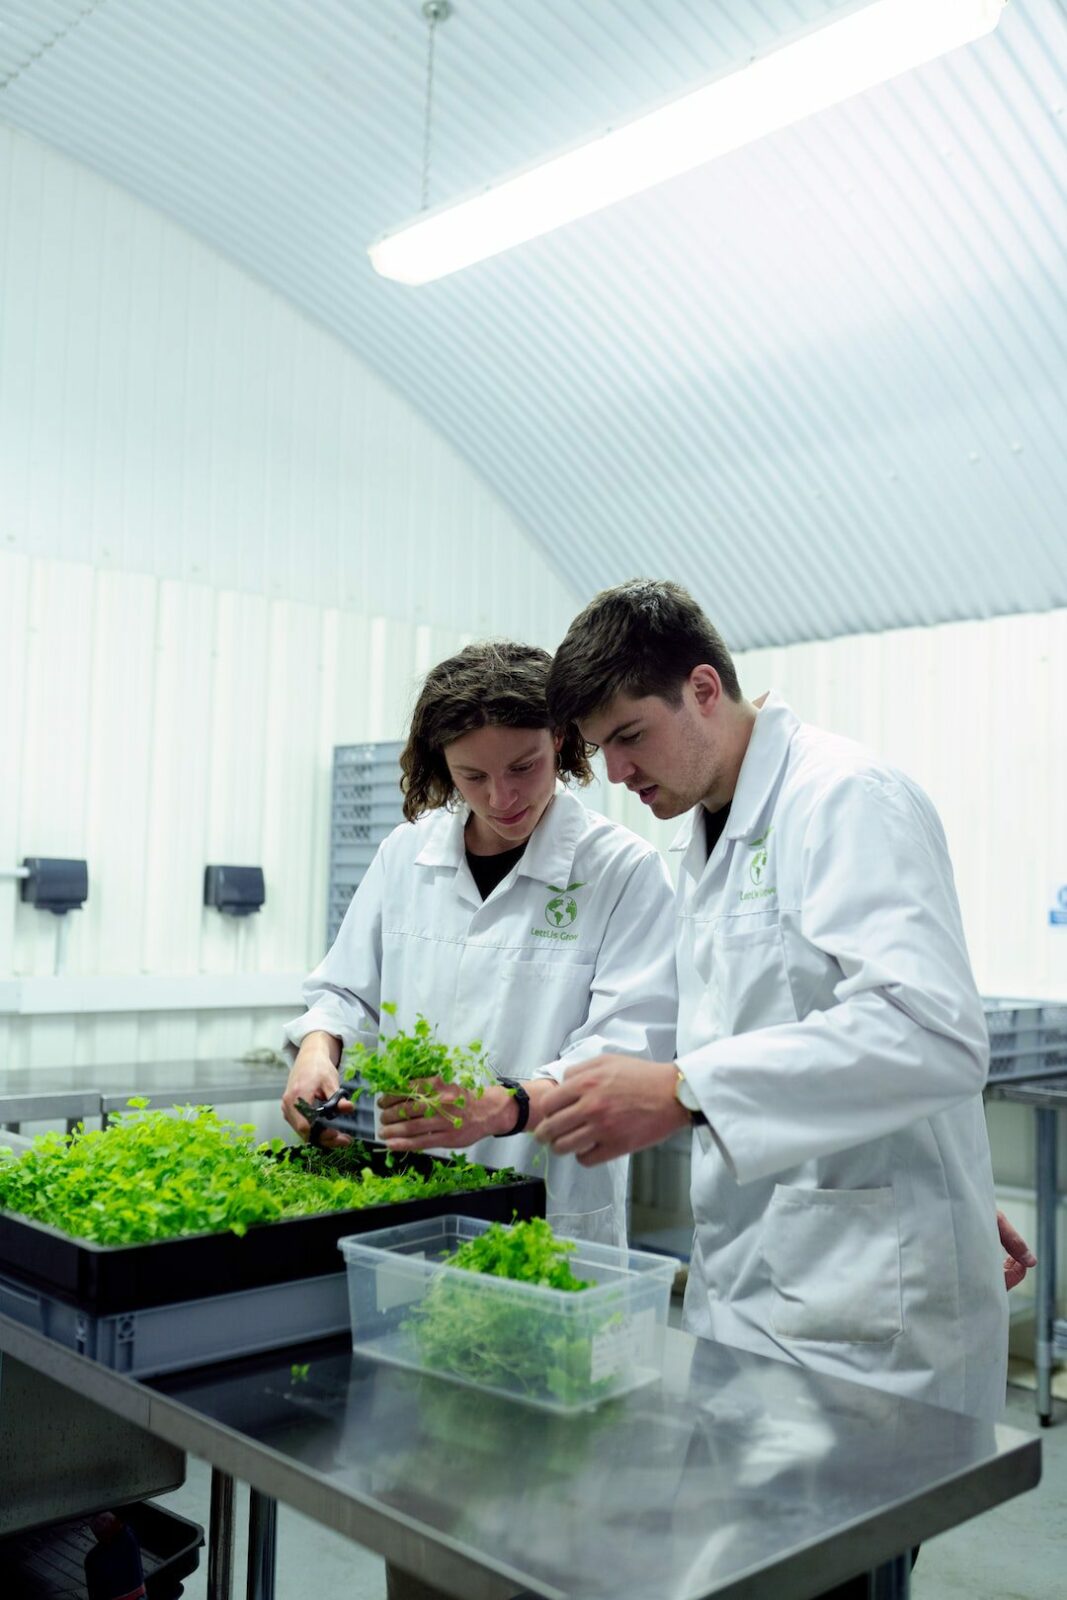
x=830, y=1028
x=542, y=989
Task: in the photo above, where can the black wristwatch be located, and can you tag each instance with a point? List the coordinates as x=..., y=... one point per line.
x=522, y=1102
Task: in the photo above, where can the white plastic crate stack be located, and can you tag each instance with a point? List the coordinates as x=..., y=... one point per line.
x=367, y=806
x=1027, y=1039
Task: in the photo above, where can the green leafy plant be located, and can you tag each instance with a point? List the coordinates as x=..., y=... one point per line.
x=298, y=1372
x=158, y=1175
x=505, y=1341
x=407, y=1062
x=526, y=1252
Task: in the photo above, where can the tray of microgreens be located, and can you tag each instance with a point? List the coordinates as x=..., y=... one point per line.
x=514, y=1310
x=163, y=1206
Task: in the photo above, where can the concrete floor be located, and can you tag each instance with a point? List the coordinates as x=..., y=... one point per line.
x=1016, y=1552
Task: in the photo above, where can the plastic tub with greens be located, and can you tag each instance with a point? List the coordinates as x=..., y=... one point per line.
x=553, y=1322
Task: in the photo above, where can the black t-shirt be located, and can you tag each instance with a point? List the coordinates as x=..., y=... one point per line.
x=488, y=871
x=714, y=823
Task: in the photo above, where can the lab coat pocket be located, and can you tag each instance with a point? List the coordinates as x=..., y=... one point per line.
x=749, y=970
x=834, y=1260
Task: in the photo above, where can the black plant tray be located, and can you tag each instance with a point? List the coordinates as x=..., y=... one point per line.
x=108, y=1278
x=49, y=1563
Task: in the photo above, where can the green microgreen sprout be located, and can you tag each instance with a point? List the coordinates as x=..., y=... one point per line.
x=298, y=1372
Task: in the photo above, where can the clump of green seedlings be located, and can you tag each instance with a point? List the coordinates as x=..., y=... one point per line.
x=158, y=1175
x=508, y=1342
x=407, y=1062
x=526, y=1252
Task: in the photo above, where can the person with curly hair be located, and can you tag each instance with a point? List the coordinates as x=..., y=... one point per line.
x=504, y=910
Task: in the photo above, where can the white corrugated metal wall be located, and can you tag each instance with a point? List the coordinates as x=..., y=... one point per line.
x=838, y=349
x=224, y=547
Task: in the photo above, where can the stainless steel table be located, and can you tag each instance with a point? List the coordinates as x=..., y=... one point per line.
x=37, y=1093
x=214, y=1083
x=735, y=1476
x=1047, y=1096
x=48, y=1105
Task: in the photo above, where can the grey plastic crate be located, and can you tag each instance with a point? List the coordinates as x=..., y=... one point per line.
x=354, y=858
x=366, y=805
x=1027, y=1038
x=362, y=813
x=190, y=1332
x=375, y=753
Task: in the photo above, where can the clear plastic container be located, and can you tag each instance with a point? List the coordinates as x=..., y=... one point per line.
x=559, y=1349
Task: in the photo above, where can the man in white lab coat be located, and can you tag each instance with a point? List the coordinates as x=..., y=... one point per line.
x=831, y=1043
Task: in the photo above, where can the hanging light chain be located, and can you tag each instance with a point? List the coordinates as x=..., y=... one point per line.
x=434, y=11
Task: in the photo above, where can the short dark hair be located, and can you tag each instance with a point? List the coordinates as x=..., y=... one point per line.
x=497, y=684
x=642, y=637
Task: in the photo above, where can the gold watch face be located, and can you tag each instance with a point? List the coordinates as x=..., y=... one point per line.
x=683, y=1093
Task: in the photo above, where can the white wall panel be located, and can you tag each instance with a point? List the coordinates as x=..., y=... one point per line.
x=153, y=726
x=161, y=412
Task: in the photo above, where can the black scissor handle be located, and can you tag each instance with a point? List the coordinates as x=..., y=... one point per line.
x=328, y=1115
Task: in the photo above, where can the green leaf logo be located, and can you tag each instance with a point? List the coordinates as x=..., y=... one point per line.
x=562, y=909
x=758, y=865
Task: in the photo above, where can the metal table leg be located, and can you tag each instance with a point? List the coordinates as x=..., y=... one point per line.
x=262, y=1542
x=892, y=1580
x=1046, y=1259
x=220, y=1537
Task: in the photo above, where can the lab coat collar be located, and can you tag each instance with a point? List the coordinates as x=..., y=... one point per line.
x=767, y=750
x=444, y=842
x=548, y=856
x=765, y=757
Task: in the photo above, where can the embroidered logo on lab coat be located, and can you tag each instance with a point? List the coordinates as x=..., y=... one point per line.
x=562, y=909
x=757, y=867
x=757, y=870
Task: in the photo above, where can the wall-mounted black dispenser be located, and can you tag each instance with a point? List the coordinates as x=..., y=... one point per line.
x=237, y=891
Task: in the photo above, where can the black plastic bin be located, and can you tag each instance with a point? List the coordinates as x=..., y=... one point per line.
x=49, y=1563
x=147, y=1309
x=103, y=1279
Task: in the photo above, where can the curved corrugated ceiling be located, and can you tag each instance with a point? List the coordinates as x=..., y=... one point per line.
x=822, y=381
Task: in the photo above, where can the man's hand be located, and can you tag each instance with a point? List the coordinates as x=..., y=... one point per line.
x=1019, y=1257
x=611, y=1106
x=405, y=1125
x=314, y=1076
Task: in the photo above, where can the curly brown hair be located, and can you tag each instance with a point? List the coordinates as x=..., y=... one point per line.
x=497, y=684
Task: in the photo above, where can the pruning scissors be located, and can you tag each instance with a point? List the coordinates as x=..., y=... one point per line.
x=328, y=1115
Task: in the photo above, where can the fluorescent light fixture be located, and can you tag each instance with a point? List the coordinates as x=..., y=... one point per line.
x=852, y=52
